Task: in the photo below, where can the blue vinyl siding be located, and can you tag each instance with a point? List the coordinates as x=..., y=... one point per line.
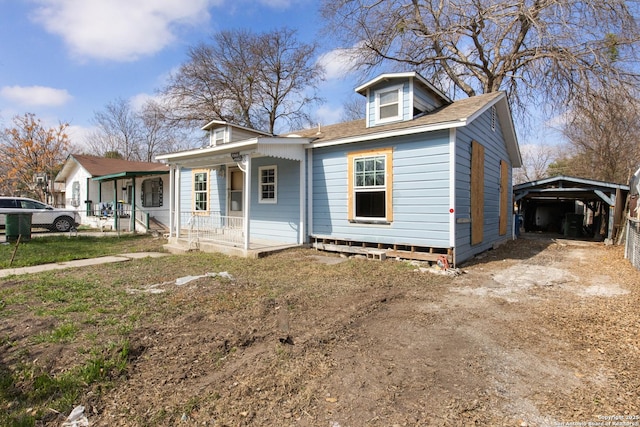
x=420, y=193
x=495, y=151
x=424, y=100
x=217, y=191
x=279, y=221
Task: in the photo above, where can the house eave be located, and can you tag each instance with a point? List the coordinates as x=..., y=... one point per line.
x=362, y=89
x=391, y=133
x=283, y=147
x=213, y=123
x=128, y=174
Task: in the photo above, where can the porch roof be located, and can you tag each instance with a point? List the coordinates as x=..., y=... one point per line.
x=291, y=148
x=129, y=174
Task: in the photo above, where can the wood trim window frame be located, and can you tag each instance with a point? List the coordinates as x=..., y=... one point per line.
x=202, y=191
x=352, y=157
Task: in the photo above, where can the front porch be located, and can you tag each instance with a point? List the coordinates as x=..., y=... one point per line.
x=214, y=232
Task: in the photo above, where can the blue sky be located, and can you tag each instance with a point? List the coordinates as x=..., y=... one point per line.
x=66, y=59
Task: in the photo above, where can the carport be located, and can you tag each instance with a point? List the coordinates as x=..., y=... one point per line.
x=575, y=207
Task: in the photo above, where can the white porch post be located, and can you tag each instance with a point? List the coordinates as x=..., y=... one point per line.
x=177, y=213
x=310, y=192
x=172, y=195
x=247, y=202
x=303, y=192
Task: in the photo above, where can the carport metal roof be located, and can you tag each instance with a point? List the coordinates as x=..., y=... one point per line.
x=568, y=188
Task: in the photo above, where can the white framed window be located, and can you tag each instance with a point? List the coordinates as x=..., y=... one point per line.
x=218, y=137
x=268, y=188
x=388, y=104
x=201, y=190
x=370, y=186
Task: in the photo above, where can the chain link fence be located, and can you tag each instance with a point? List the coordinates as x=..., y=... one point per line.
x=632, y=247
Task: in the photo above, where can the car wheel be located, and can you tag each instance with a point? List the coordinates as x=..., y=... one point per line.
x=62, y=224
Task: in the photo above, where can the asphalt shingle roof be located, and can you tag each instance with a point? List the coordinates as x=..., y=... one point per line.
x=456, y=111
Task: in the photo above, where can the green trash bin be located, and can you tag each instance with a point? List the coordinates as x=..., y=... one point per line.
x=18, y=224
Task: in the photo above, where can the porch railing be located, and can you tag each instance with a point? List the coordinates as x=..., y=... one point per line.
x=211, y=226
x=105, y=212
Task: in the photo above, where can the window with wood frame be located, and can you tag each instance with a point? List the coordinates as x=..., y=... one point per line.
x=370, y=184
x=200, y=190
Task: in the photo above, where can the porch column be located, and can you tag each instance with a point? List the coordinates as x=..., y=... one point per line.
x=310, y=192
x=247, y=202
x=133, y=204
x=171, y=200
x=177, y=213
x=303, y=191
x=115, y=205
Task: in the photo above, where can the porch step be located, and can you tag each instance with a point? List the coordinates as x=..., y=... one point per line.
x=177, y=249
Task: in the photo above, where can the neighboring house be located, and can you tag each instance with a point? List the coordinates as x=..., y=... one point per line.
x=116, y=193
x=420, y=177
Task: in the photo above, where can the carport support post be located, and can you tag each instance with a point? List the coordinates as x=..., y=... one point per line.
x=612, y=213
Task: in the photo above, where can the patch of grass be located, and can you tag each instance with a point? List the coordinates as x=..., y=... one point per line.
x=63, y=333
x=31, y=389
x=83, y=322
x=51, y=249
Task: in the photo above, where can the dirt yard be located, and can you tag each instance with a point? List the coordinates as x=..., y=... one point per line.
x=534, y=333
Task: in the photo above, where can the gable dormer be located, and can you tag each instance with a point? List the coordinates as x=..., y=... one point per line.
x=221, y=132
x=397, y=97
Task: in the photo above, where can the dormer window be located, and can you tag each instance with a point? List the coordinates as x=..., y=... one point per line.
x=218, y=137
x=389, y=104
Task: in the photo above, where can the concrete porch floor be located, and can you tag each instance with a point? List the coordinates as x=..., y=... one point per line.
x=257, y=249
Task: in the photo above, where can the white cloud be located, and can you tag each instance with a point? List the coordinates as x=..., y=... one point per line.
x=119, y=30
x=338, y=63
x=138, y=101
x=79, y=135
x=36, y=96
x=327, y=115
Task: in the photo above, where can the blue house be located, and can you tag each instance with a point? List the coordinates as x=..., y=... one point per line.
x=420, y=177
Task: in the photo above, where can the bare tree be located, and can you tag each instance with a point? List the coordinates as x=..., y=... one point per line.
x=353, y=108
x=117, y=130
x=529, y=48
x=536, y=159
x=602, y=131
x=255, y=80
x=286, y=78
x=137, y=134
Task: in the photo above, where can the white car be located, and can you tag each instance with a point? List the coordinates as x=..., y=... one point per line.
x=44, y=216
